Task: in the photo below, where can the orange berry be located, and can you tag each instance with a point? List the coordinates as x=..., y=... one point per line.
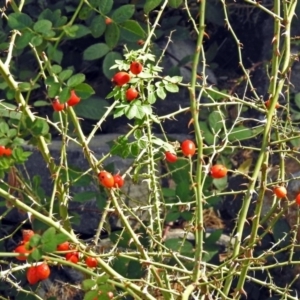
x=121, y=78
x=108, y=21
x=22, y=249
x=171, y=157
x=27, y=234
x=280, y=191
x=298, y=199
x=74, y=99
x=188, y=148
x=91, y=262
x=63, y=246
x=106, y=179
x=136, y=67
x=7, y=152
x=72, y=257
x=118, y=181
x=57, y=106
x=268, y=104
x=218, y=171
x=32, y=276
x=131, y=94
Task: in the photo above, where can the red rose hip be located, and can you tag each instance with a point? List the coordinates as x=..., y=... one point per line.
x=218, y=171
x=131, y=94
x=136, y=67
x=121, y=78
x=74, y=99
x=188, y=148
x=118, y=181
x=170, y=157
x=106, y=179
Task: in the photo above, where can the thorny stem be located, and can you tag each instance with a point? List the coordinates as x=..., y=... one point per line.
x=195, y=106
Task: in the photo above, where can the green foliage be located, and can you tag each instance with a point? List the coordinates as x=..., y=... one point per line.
x=51, y=50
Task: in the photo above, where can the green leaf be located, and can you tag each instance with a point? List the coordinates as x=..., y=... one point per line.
x=212, y=92
x=24, y=86
x=112, y=35
x=209, y=252
x=295, y=142
x=36, y=254
x=161, y=93
x=172, y=88
x=42, y=26
x=84, y=196
x=221, y=183
x=207, y=134
x=97, y=26
x=172, y=216
x=180, y=171
x=54, y=17
x=239, y=133
x=36, y=41
x=183, y=191
x=41, y=103
x=123, y=13
x=12, y=133
x=64, y=95
x=211, y=53
x=282, y=232
x=48, y=240
x=8, y=110
x=92, y=108
x=88, y=284
x=174, y=3
x=297, y=100
x=75, y=80
x=54, y=54
x=56, y=69
x=105, y=6
x=19, y=21
x=213, y=238
x=91, y=295
x=53, y=90
x=48, y=235
x=151, y=95
x=23, y=40
x=84, y=91
x=108, y=61
x=77, y=31
x=215, y=121
x=39, y=127
x=85, y=13
x=95, y=51
x=60, y=238
x=179, y=245
x=135, y=110
x=65, y=74
x=134, y=28
x=214, y=13
x=35, y=240
x=102, y=279
x=150, y=5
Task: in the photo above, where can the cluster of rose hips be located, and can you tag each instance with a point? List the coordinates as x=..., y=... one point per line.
x=5, y=151
x=281, y=193
x=73, y=256
x=268, y=104
x=188, y=149
x=110, y=181
x=122, y=78
x=38, y=271
x=41, y=271
x=73, y=100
